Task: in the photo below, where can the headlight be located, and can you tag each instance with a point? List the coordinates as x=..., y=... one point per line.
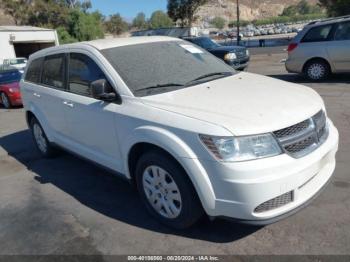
x=236, y=149
x=230, y=56
x=247, y=52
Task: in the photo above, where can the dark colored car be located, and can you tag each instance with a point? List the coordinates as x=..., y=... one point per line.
x=10, y=94
x=235, y=56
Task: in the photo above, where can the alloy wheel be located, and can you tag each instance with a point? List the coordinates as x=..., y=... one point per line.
x=316, y=71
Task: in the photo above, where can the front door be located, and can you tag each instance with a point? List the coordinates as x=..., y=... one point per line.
x=91, y=122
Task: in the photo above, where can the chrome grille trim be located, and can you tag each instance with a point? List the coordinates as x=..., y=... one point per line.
x=303, y=138
x=275, y=203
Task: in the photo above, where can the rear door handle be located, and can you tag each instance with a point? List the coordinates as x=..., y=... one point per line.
x=36, y=95
x=68, y=104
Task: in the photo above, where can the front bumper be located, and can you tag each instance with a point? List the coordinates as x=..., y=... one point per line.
x=239, y=188
x=239, y=64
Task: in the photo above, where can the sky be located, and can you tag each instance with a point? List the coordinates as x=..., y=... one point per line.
x=128, y=8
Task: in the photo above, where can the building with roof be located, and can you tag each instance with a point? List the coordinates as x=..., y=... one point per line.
x=22, y=41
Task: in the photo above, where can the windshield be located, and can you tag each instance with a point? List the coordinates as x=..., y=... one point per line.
x=17, y=61
x=205, y=42
x=161, y=67
x=10, y=76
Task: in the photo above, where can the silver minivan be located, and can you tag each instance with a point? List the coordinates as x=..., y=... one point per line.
x=321, y=48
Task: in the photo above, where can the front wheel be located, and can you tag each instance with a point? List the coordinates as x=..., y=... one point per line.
x=166, y=190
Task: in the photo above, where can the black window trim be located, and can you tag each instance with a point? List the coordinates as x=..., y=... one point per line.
x=64, y=56
x=97, y=64
x=41, y=60
x=336, y=29
x=328, y=39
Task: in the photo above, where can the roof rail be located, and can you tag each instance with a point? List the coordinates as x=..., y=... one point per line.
x=329, y=19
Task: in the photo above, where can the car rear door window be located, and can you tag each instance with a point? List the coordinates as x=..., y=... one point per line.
x=343, y=32
x=318, y=34
x=53, y=71
x=82, y=72
x=34, y=71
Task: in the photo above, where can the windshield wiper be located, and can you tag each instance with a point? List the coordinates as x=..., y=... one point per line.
x=223, y=74
x=159, y=86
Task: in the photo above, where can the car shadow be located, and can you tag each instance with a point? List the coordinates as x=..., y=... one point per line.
x=108, y=194
x=300, y=79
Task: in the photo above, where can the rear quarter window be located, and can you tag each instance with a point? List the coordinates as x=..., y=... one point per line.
x=318, y=34
x=34, y=71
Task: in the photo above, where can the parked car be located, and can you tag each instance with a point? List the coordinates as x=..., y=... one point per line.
x=19, y=63
x=320, y=49
x=10, y=94
x=194, y=135
x=236, y=56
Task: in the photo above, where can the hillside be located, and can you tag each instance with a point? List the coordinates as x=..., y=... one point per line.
x=249, y=9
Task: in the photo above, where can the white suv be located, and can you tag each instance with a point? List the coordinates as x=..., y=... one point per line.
x=194, y=135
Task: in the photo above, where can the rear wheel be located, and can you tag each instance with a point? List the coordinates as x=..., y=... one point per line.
x=317, y=70
x=5, y=100
x=166, y=191
x=42, y=143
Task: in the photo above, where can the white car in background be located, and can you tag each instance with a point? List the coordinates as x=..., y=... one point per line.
x=19, y=63
x=194, y=135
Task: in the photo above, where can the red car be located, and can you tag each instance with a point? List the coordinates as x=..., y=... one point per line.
x=10, y=94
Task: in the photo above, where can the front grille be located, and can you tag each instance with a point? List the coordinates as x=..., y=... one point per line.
x=293, y=129
x=241, y=54
x=275, y=203
x=303, y=138
x=300, y=146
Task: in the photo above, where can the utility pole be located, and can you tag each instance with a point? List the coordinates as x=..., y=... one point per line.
x=238, y=33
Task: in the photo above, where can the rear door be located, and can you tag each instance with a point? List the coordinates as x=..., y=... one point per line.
x=53, y=82
x=44, y=86
x=91, y=122
x=339, y=48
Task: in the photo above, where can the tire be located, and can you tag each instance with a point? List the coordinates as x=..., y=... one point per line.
x=5, y=100
x=40, y=140
x=162, y=181
x=317, y=70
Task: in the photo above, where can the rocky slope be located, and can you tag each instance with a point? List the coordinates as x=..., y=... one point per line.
x=249, y=9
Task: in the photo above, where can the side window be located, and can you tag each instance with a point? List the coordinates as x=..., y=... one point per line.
x=343, y=32
x=318, y=34
x=53, y=71
x=82, y=72
x=33, y=71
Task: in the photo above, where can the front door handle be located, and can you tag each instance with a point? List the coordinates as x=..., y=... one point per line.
x=68, y=104
x=36, y=95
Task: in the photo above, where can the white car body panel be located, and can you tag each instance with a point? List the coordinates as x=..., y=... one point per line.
x=243, y=104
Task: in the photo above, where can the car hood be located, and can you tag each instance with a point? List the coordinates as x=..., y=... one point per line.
x=244, y=104
x=228, y=48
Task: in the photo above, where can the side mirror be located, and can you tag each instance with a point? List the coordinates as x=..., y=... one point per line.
x=101, y=89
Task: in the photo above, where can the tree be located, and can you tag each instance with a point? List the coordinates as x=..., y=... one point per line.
x=218, y=22
x=116, y=25
x=140, y=21
x=159, y=19
x=69, y=17
x=302, y=8
x=184, y=10
x=336, y=7
x=85, y=26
